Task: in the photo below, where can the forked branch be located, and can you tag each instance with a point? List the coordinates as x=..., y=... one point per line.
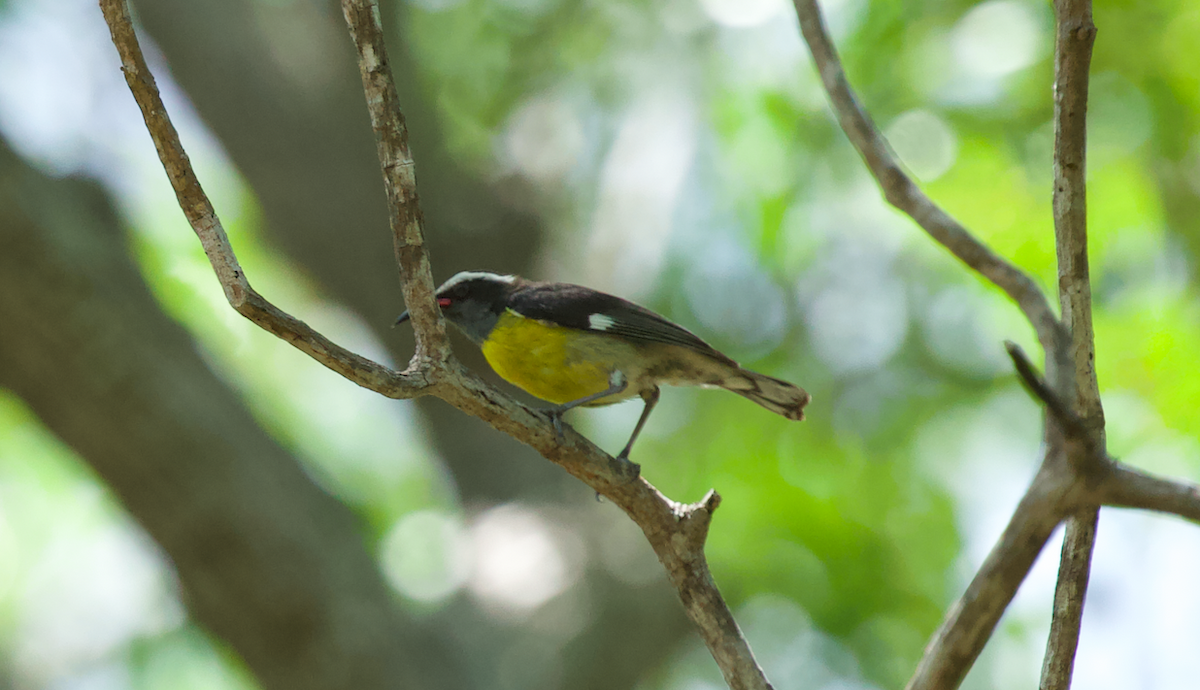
x=204, y=221
x=1110, y=482
x=1059, y=488
x=900, y=190
x=676, y=532
x=970, y=622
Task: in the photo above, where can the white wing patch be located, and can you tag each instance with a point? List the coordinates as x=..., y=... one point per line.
x=601, y=322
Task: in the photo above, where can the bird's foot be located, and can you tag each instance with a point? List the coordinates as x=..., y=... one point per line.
x=556, y=419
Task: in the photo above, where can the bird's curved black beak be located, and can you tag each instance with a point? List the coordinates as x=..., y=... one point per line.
x=400, y=319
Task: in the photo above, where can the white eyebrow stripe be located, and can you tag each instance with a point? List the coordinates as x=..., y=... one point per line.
x=601, y=322
x=465, y=276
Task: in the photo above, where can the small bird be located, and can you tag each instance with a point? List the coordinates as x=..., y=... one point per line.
x=574, y=346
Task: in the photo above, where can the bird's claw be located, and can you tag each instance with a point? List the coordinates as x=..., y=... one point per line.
x=556, y=420
x=635, y=470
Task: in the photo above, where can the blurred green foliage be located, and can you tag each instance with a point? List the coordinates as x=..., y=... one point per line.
x=842, y=515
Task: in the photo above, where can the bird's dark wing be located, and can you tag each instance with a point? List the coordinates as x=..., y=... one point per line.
x=575, y=306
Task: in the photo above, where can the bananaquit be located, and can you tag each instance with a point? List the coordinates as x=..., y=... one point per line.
x=575, y=346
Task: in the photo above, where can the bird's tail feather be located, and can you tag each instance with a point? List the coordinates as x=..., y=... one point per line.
x=777, y=396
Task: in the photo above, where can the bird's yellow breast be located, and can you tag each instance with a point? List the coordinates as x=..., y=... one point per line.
x=551, y=362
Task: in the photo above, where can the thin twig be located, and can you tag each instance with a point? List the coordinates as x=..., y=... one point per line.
x=1041, y=390
x=1072, y=58
x=203, y=219
x=1075, y=35
x=904, y=194
x=1074, y=567
x=1095, y=465
x=676, y=532
x=1119, y=485
x=400, y=178
x=1132, y=488
x=970, y=622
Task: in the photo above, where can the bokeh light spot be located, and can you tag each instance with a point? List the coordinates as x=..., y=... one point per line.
x=857, y=325
x=640, y=185
x=544, y=139
x=426, y=555
x=733, y=297
x=89, y=594
x=743, y=13
x=924, y=142
x=997, y=38
x=518, y=561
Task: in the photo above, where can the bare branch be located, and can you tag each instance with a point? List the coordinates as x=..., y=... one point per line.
x=1074, y=568
x=400, y=177
x=676, y=532
x=1074, y=375
x=903, y=193
x=203, y=219
x=970, y=622
x=1132, y=488
x=1040, y=390
x=689, y=573
x=1091, y=464
x=1073, y=55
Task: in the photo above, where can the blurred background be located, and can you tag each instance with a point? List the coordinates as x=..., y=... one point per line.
x=678, y=153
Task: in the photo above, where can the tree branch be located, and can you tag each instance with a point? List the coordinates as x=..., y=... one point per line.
x=1117, y=484
x=1074, y=567
x=971, y=620
x=203, y=219
x=1132, y=488
x=400, y=178
x=1064, y=416
x=1073, y=55
x=676, y=532
x=1075, y=34
x=900, y=191
x=1076, y=475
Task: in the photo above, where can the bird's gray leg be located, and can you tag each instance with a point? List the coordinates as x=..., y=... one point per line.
x=650, y=397
x=616, y=384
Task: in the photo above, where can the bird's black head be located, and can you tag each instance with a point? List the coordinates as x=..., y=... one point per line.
x=473, y=301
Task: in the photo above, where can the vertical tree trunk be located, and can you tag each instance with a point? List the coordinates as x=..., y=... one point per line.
x=266, y=559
